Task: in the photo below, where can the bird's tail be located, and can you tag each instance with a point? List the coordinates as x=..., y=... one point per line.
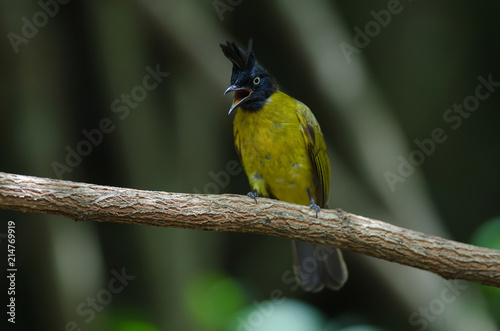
x=318, y=266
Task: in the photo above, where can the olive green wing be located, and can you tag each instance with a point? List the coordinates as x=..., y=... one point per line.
x=318, y=155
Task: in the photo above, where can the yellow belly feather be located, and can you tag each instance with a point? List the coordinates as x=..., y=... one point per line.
x=273, y=151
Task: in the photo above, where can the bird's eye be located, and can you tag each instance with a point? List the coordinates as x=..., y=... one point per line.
x=256, y=81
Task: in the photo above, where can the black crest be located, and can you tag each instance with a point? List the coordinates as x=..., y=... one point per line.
x=241, y=60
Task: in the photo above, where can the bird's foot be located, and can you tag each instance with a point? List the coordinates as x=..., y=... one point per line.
x=312, y=203
x=253, y=195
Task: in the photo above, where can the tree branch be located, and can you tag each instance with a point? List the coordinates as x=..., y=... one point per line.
x=82, y=202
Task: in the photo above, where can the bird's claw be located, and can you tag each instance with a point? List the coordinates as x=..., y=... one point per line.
x=312, y=204
x=253, y=195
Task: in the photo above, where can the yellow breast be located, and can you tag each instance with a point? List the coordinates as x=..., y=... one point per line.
x=273, y=151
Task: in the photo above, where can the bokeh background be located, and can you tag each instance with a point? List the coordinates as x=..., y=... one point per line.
x=66, y=67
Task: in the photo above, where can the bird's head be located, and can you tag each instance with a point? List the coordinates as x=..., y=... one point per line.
x=251, y=83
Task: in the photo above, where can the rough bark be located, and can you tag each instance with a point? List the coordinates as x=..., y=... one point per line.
x=86, y=202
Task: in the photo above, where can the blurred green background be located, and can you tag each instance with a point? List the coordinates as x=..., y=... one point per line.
x=66, y=68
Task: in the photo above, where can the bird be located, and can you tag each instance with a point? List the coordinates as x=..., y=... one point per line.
x=283, y=153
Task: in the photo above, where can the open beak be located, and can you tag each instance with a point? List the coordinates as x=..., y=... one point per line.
x=241, y=95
